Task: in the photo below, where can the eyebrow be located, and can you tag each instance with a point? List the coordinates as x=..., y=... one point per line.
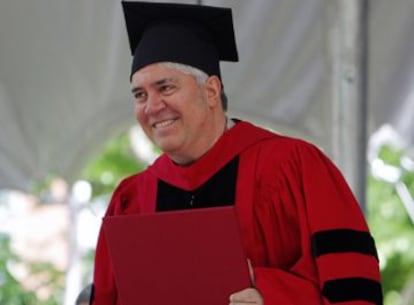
x=156, y=83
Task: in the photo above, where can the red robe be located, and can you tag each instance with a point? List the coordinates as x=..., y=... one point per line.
x=301, y=226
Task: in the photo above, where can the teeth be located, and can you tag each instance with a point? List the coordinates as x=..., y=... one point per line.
x=163, y=123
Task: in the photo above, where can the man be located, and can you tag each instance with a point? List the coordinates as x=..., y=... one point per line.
x=304, y=234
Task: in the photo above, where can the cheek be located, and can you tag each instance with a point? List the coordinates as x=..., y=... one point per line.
x=139, y=114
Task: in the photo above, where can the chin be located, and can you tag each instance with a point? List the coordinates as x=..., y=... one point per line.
x=166, y=146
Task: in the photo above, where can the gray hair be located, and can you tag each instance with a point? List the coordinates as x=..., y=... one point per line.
x=199, y=75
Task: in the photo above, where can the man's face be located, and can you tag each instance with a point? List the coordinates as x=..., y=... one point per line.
x=174, y=111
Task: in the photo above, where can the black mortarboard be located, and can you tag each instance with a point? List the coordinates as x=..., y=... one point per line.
x=195, y=35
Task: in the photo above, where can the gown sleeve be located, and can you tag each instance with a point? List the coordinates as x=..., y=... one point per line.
x=317, y=243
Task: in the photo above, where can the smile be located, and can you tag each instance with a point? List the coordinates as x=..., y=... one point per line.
x=163, y=123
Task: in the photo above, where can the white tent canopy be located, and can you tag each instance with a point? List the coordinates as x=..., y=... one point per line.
x=64, y=76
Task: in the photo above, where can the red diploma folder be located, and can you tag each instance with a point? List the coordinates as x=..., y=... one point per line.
x=187, y=257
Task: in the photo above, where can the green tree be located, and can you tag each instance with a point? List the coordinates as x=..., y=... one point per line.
x=114, y=162
x=12, y=291
x=105, y=169
x=392, y=228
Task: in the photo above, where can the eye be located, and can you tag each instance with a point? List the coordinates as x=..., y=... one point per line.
x=140, y=96
x=167, y=88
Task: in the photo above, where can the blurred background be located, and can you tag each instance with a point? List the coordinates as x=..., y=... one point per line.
x=339, y=73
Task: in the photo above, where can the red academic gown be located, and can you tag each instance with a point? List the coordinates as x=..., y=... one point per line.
x=301, y=226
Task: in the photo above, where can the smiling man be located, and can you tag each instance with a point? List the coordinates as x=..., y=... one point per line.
x=179, y=115
x=303, y=232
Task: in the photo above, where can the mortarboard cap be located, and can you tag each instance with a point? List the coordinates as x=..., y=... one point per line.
x=195, y=35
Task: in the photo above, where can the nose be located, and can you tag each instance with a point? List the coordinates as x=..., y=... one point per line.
x=154, y=104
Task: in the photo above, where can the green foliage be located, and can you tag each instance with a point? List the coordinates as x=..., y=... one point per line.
x=12, y=291
x=115, y=162
x=392, y=228
x=104, y=171
x=390, y=155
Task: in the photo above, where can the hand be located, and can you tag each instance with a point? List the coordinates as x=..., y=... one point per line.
x=246, y=296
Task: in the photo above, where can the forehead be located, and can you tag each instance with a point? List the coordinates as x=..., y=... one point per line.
x=156, y=72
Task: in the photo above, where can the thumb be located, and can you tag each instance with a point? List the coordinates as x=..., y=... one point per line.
x=251, y=272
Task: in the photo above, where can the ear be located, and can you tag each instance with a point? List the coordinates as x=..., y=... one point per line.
x=213, y=89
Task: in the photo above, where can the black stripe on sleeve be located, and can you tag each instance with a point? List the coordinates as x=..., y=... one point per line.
x=342, y=241
x=352, y=289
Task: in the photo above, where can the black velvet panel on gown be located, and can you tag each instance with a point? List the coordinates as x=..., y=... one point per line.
x=219, y=190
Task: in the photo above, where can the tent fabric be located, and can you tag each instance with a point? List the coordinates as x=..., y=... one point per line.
x=64, y=77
